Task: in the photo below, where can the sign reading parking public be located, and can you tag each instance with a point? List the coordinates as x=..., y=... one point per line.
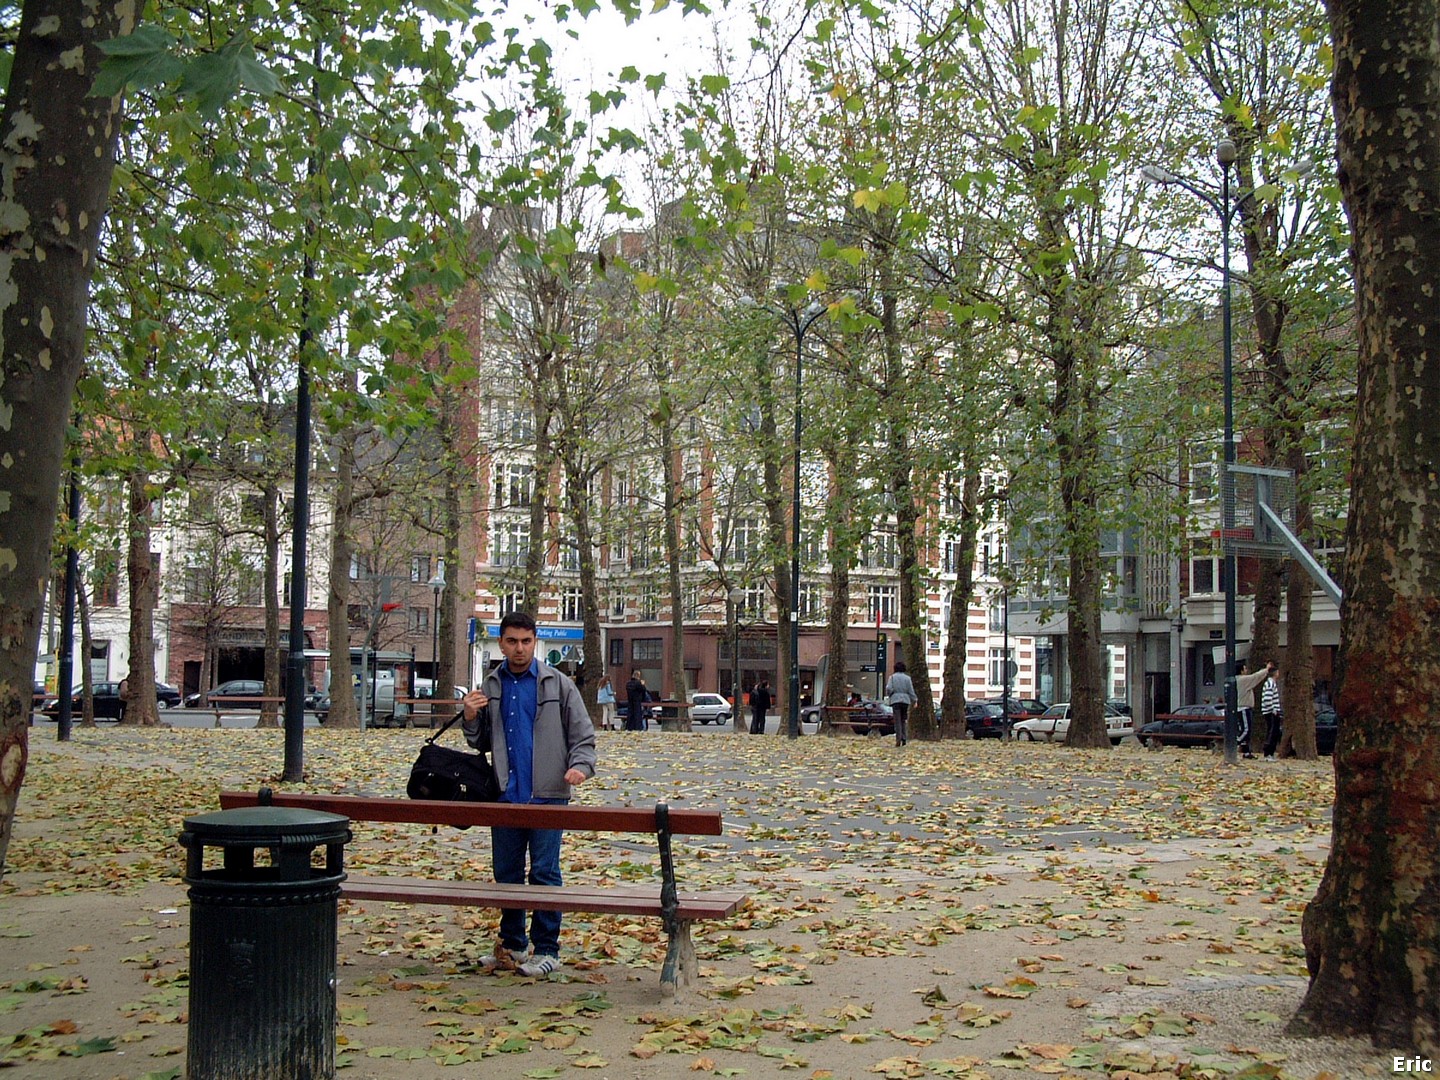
x=544, y=633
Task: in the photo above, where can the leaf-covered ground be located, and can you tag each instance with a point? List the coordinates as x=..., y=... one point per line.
x=951, y=910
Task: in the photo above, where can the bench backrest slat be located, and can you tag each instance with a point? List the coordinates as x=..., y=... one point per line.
x=683, y=821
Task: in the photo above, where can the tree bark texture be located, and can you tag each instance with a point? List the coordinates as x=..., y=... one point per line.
x=1372, y=934
x=139, y=705
x=952, y=720
x=57, y=151
x=343, y=714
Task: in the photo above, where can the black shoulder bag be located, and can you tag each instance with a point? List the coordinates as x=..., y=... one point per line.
x=452, y=775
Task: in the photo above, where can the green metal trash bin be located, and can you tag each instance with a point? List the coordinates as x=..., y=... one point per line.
x=262, y=943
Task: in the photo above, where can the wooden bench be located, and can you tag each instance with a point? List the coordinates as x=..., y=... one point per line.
x=839, y=716
x=432, y=710
x=218, y=702
x=678, y=909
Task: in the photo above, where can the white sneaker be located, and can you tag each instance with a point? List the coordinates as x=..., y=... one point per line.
x=540, y=965
x=503, y=959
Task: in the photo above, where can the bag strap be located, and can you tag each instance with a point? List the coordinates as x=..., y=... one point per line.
x=448, y=725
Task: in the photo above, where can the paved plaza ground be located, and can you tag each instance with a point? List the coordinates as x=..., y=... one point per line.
x=961, y=909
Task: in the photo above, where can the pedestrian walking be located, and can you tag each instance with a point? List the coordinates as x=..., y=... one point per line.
x=760, y=701
x=1270, y=710
x=901, y=692
x=534, y=723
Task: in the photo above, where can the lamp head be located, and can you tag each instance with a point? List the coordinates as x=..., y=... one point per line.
x=1226, y=152
x=1156, y=174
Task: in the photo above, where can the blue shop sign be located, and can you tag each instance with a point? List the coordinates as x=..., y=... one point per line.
x=544, y=633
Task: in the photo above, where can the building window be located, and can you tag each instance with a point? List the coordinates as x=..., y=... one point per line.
x=692, y=602
x=997, y=616
x=250, y=586
x=756, y=601
x=810, y=602
x=569, y=556
x=1205, y=570
x=617, y=652
x=648, y=648
x=884, y=603
x=420, y=568
x=419, y=622
x=745, y=540
x=998, y=658
x=105, y=592
x=514, y=485
x=509, y=419
x=512, y=599
x=572, y=605
x=881, y=551
x=649, y=603
x=618, y=605
x=512, y=543
x=1203, y=473
x=252, y=510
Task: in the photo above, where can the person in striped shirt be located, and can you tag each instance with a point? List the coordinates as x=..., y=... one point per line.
x=1270, y=710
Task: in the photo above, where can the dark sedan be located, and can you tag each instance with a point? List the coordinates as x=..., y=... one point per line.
x=1189, y=725
x=985, y=721
x=108, y=705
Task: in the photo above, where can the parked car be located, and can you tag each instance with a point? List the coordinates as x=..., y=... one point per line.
x=984, y=720
x=106, y=696
x=39, y=696
x=709, y=709
x=1190, y=725
x=1021, y=708
x=232, y=688
x=1120, y=705
x=1054, y=724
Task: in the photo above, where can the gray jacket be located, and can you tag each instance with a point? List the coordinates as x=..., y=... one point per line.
x=901, y=689
x=564, y=735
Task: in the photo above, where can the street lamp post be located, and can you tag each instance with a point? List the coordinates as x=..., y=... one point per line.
x=736, y=708
x=1225, y=155
x=799, y=321
x=437, y=585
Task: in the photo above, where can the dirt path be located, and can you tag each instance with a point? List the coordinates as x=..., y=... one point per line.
x=960, y=911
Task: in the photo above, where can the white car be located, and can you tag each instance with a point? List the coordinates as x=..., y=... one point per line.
x=709, y=709
x=1054, y=724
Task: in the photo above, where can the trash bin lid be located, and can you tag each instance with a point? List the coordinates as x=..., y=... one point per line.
x=266, y=826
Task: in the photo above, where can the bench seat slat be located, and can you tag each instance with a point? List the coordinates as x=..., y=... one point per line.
x=425, y=812
x=625, y=901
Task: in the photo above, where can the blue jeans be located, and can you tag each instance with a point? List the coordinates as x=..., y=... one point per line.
x=508, y=848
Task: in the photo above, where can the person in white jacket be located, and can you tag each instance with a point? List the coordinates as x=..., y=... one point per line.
x=1245, y=702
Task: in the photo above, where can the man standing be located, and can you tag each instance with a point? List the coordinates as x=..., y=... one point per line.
x=1270, y=710
x=759, y=706
x=636, y=695
x=538, y=731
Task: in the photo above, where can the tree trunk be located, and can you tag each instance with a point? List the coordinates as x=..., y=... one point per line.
x=1297, y=698
x=1077, y=455
x=844, y=540
x=952, y=720
x=87, y=696
x=1265, y=629
x=269, y=713
x=343, y=714
x=1372, y=934
x=51, y=210
x=138, y=706
x=675, y=675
